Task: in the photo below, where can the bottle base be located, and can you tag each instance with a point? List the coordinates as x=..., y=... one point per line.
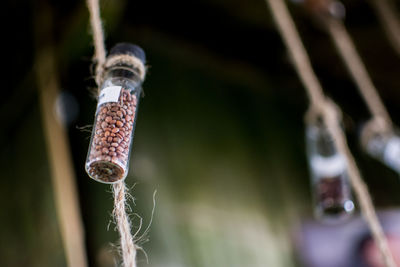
x=105, y=171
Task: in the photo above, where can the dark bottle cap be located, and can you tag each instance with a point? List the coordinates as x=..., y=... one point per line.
x=127, y=48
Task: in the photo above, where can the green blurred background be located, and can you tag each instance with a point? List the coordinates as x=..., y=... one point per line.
x=219, y=135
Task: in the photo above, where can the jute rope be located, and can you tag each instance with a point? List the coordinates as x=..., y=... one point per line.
x=119, y=189
x=329, y=112
x=123, y=59
x=98, y=37
x=357, y=69
x=128, y=248
x=386, y=12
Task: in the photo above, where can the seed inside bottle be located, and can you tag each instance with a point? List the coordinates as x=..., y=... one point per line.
x=108, y=156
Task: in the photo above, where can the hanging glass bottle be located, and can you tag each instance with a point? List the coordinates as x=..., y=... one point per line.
x=329, y=178
x=109, y=150
x=382, y=145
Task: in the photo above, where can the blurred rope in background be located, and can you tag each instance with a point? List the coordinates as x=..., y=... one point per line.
x=330, y=114
x=57, y=146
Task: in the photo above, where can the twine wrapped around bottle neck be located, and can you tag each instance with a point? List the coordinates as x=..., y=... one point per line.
x=375, y=126
x=121, y=59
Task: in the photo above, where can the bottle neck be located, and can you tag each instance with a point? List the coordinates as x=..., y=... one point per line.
x=124, y=77
x=320, y=142
x=123, y=72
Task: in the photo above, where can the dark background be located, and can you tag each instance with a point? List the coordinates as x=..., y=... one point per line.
x=220, y=131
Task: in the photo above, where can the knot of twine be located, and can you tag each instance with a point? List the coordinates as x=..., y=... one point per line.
x=319, y=112
x=120, y=59
x=375, y=126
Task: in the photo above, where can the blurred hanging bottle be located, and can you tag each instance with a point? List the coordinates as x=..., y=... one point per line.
x=329, y=178
x=382, y=144
x=110, y=146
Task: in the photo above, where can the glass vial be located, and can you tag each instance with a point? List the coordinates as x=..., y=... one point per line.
x=330, y=186
x=110, y=145
x=383, y=146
